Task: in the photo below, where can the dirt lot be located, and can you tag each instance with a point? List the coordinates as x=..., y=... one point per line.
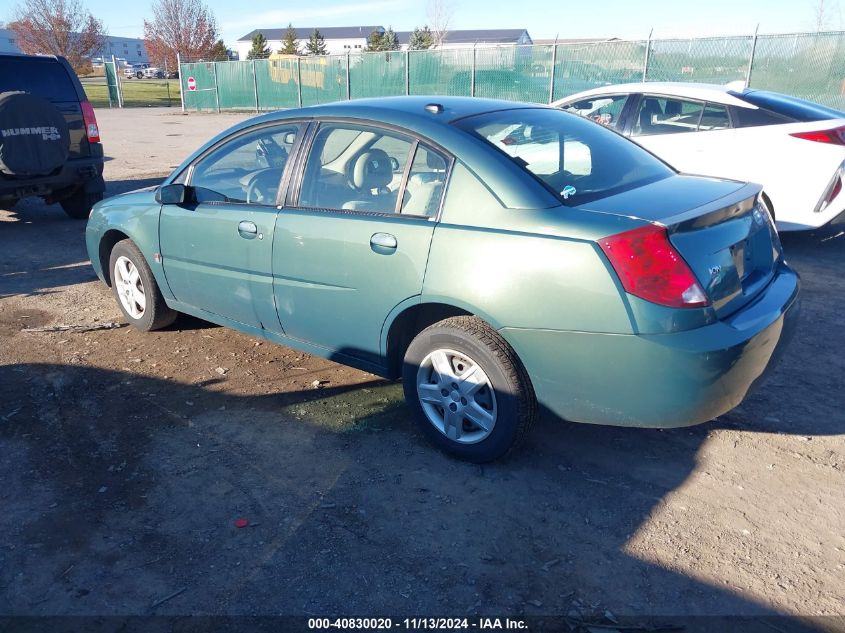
x=125, y=459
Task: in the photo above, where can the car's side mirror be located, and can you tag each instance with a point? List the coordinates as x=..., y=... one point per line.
x=171, y=194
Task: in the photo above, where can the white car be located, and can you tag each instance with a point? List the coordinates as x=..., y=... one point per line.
x=794, y=148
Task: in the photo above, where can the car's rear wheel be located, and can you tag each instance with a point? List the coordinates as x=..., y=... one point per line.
x=136, y=290
x=468, y=390
x=78, y=204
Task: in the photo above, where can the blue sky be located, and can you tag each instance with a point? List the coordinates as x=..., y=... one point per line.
x=542, y=18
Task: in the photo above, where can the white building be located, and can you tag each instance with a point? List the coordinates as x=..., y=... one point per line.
x=339, y=39
x=130, y=50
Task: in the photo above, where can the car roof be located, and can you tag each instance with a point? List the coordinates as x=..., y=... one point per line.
x=408, y=110
x=715, y=93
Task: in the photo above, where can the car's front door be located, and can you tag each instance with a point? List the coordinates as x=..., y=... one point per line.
x=354, y=241
x=216, y=248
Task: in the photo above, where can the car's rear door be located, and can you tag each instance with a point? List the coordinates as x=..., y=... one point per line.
x=353, y=241
x=216, y=248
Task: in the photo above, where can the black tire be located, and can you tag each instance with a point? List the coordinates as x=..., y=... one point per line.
x=156, y=314
x=515, y=402
x=78, y=204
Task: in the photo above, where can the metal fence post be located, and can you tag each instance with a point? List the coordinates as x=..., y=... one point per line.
x=216, y=89
x=108, y=86
x=472, y=74
x=117, y=83
x=179, y=71
x=407, y=72
x=299, y=80
x=552, y=77
x=348, y=85
x=647, y=54
x=255, y=85
x=751, y=59
x=167, y=81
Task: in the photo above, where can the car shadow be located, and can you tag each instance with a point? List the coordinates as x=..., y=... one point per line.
x=63, y=259
x=109, y=471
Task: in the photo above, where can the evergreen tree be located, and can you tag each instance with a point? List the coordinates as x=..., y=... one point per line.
x=259, y=49
x=219, y=52
x=421, y=39
x=290, y=45
x=390, y=41
x=375, y=41
x=316, y=45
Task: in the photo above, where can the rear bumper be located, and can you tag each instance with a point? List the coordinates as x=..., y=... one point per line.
x=665, y=380
x=86, y=172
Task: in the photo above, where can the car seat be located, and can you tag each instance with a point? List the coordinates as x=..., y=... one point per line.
x=368, y=175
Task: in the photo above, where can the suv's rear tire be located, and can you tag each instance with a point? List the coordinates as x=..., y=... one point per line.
x=78, y=204
x=136, y=290
x=468, y=390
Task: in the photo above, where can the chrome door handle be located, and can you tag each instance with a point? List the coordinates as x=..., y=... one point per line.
x=383, y=240
x=248, y=228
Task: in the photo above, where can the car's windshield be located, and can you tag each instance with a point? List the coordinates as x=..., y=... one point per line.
x=577, y=159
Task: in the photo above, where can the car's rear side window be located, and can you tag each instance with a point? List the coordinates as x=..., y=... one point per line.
x=43, y=77
x=750, y=117
x=575, y=158
x=792, y=107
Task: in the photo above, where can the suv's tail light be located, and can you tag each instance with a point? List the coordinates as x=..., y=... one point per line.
x=649, y=267
x=835, y=136
x=91, y=129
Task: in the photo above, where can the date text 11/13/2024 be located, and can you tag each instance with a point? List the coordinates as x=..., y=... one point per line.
x=431, y=624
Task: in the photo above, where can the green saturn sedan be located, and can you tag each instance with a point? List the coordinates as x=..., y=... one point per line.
x=504, y=260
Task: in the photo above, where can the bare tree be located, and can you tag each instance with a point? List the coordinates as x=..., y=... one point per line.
x=825, y=14
x=439, y=14
x=186, y=27
x=59, y=27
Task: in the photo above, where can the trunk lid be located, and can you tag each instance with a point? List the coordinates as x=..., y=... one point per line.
x=719, y=228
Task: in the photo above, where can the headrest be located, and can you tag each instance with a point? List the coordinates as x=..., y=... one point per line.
x=371, y=170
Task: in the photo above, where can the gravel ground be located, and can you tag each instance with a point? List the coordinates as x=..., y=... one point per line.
x=125, y=459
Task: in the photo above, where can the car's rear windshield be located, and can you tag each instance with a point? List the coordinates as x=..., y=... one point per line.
x=578, y=160
x=793, y=107
x=44, y=77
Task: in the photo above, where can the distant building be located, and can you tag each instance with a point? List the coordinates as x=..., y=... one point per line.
x=128, y=50
x=577, y=40
x=339, y=39
x=353, y=39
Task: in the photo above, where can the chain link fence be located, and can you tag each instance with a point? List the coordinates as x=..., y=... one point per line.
x=808, y=65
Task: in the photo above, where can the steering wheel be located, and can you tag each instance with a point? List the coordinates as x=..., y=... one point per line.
x=255, y=185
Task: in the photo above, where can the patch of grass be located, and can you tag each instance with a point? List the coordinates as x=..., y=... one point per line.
x=136, y=92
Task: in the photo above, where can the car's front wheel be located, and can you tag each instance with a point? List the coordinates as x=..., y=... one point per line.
x=136, y=289
x=468, y=389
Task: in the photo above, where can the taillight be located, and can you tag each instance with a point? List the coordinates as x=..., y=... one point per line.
x=91, y=129
x=649, y=267
x=835, y=136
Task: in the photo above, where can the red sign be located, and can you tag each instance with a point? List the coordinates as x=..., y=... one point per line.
x=192, y=84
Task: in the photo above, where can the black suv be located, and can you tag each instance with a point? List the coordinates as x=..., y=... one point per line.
x=49, y=140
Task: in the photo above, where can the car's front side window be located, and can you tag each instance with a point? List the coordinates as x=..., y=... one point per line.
x=606, y=109
x=247, y=169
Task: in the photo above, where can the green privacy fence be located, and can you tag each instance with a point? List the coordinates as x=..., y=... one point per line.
x=808, y=65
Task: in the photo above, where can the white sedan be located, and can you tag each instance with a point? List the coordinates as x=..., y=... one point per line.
x=794, y=148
